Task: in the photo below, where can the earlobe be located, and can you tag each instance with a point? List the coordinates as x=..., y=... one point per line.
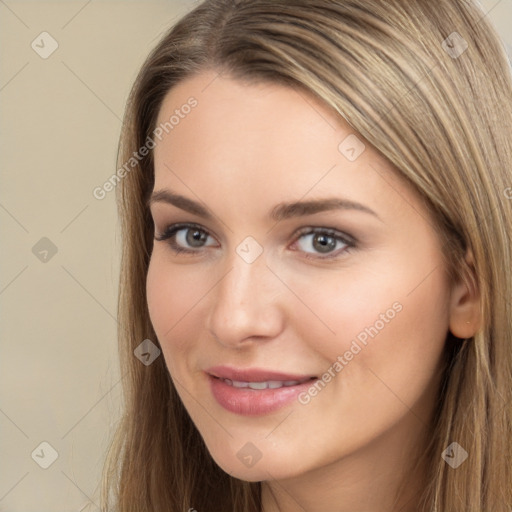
x=465, y=316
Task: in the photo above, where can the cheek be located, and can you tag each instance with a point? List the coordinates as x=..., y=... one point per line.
x=390, y=319
x=172, y=294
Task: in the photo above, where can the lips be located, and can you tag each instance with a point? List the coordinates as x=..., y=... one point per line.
x=251, y=392
x=270, y=384
x=255, y=375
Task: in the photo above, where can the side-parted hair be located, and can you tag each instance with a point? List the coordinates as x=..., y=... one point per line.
x=441, y=113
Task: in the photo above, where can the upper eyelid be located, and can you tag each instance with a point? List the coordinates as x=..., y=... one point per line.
x=178, y=226
x=307, y=230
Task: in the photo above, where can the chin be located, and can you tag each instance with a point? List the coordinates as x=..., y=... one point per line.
x=270, y=467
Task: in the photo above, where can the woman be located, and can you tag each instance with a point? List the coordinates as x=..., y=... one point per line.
x=316, y=262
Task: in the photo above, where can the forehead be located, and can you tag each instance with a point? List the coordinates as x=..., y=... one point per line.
x=269, y=141
x=228, y=111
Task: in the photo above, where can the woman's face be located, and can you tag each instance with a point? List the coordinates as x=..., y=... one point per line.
x=308, y=258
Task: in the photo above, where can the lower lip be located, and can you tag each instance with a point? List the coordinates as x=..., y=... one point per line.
x=253, y=402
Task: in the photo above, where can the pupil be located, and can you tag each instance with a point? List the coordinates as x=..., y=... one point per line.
x=196, y=239
x=324, y=243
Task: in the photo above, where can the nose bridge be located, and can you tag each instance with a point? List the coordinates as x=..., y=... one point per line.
x=244, y=302
x=245, y=283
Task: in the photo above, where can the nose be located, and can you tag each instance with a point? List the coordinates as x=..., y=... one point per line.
x=246, y=304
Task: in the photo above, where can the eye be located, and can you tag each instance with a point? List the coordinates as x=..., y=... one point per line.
x=185, y=237
x=318, y=241
x=314, y=242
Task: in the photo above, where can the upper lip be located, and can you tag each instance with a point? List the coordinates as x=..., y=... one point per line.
x=253, y=374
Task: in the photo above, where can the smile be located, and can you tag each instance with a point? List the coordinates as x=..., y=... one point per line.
x=247, y=398
x=271, y=384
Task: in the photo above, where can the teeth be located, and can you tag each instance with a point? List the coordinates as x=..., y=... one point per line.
x=258, y=385
x=238, y=384
x=271, y=384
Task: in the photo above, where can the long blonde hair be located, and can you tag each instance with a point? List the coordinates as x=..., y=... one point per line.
x=442, y=116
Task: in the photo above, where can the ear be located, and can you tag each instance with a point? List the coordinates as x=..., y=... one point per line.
x=465, y=316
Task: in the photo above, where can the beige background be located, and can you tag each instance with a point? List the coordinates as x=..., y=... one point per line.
x=60, y=122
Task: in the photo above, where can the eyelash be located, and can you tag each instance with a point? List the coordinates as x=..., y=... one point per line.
x=349, y=241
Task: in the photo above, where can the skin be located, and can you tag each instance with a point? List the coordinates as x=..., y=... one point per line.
x=350, y=446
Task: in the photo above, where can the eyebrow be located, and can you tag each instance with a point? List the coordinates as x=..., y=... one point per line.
x=281, y=211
